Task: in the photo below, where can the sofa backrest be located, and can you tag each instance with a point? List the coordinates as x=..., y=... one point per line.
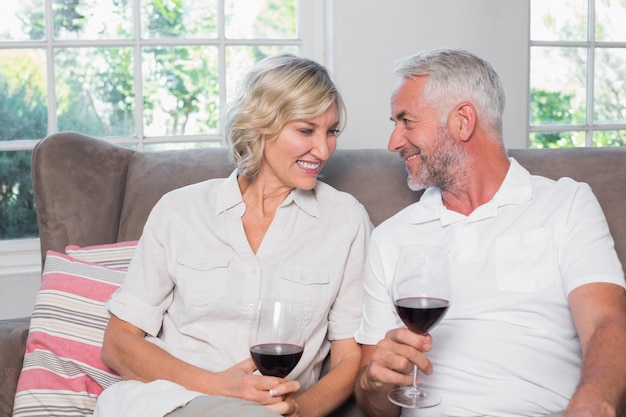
x=375, y=177
x=90, y=192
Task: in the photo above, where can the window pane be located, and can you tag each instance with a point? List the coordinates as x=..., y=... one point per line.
x=557, y=139
x=558, y=85
x=239, y=59
x=609, y=138
x=23, y=105
x=247, y=19
x=610, y=19
x=92, y=19
x=564, y=20
x=181, y=90
x=610, y=86
x=21, y=21
x=17, y=206
x=94, y=90
x=179, y=18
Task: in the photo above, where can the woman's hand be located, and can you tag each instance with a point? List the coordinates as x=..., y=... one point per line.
x=240, y=382
x=288, y=406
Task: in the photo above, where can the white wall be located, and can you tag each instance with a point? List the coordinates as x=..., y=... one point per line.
x=20, y=275
x=369, y=36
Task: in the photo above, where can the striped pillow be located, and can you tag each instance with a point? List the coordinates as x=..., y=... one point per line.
x=62, y=374
x=114, y=255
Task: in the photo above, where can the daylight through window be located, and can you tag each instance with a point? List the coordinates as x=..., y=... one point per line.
x=577, y=67
x=147, y=74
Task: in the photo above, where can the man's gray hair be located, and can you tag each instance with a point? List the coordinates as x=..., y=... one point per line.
x=454, y=76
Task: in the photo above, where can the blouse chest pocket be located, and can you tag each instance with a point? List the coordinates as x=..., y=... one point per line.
x=309, y=287
x=526, y=262
x=201, y=280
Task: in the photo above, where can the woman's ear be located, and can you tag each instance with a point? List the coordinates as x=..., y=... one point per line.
x=463, y=121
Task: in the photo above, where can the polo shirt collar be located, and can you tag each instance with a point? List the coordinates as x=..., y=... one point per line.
x=515, y=189
x=229, y=197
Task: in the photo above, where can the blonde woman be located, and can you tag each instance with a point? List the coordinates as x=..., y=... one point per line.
x=178, y=334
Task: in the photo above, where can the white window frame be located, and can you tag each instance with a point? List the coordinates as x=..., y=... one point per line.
x=590, y=45
x=23, y=256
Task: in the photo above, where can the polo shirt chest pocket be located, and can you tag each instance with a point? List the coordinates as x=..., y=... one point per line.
x=526, y=262
x=202, y=279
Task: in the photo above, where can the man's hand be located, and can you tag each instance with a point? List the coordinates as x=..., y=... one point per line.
x=392, y=361
x=387, y=364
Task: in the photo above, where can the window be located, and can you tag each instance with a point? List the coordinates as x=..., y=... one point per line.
x=577, y=67
x=147, y=74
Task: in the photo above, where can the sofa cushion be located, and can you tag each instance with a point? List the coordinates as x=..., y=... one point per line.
x=62, y=372
x=114, y=255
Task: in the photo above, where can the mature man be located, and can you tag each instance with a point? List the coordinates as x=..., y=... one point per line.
x=537, y=321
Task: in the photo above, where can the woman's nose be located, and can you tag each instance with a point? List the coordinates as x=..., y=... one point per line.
x=322, y=149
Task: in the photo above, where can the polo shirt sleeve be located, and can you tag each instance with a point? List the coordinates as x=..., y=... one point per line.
x=587, y=253
x=378, y=313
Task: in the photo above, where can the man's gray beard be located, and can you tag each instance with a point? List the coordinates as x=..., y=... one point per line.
x=443, y=168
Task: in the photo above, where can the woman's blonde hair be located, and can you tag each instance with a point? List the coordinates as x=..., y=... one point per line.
x=277, y=90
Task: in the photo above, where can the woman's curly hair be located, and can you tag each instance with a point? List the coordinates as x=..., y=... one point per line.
x=277, y=90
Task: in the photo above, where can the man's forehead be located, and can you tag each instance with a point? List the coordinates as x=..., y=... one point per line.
x=405, y=97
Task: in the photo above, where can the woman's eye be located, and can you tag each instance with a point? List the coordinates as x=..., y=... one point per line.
x=306, y=131
x=334, y=132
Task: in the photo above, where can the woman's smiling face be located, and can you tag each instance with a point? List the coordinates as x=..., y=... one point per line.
x=296, y=156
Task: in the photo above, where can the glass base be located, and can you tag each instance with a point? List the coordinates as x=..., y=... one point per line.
x=413, y=397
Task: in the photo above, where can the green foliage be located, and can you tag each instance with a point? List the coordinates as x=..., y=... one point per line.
x=166, y=18
x=95, y=86
x=22, y=115
x=553, y=108
x=19, y=117
x=278, y=11
x=548, y=107
x=609, y=138
x=17, y=206
x=97, y=103
x=67, y=16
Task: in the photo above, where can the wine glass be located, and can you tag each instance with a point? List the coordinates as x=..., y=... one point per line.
x=421, y=294
x=277, y=337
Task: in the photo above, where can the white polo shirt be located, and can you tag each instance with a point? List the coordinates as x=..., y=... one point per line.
x=194, y=280
x=507, y=345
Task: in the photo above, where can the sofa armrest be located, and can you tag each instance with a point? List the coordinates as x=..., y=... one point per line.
x=79, y=184
x=13, y=335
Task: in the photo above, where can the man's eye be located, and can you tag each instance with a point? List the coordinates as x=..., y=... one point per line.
x=408, y=123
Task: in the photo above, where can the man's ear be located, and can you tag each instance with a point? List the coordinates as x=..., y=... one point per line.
x=463, y=121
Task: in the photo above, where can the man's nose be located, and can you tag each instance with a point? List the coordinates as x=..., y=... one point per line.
x=396, y=141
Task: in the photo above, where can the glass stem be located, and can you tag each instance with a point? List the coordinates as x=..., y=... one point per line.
x=416, y=387
x=417, y=392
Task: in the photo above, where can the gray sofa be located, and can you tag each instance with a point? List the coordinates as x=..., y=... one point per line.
x=91, y=192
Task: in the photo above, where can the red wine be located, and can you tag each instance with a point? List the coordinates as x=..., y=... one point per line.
x=421, y=313
x=276, y=359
